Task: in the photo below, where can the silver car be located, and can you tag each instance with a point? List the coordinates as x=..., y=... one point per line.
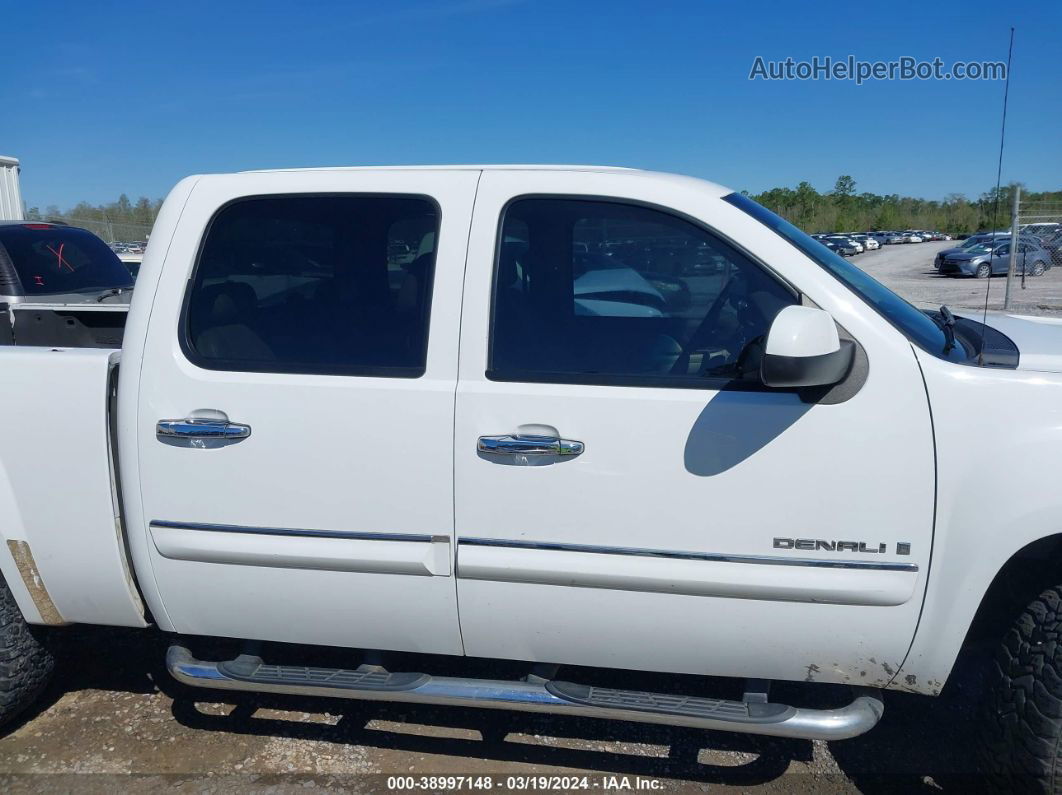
x=986, y=260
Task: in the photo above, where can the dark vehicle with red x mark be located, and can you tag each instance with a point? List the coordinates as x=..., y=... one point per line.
x=60, y=285
x=56, y=263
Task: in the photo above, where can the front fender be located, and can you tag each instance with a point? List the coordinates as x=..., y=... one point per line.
x=998, y=437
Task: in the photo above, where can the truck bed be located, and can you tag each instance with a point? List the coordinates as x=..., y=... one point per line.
x=89, y=325
x=58, y=501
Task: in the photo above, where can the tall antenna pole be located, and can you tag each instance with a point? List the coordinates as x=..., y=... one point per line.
x=995, y=207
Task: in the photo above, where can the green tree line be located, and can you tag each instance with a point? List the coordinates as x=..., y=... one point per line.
x=121, y=220
x=844, y=210
x=838, y=210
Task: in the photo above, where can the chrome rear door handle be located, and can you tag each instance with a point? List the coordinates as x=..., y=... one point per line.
x=520, y=444
x=201, y=428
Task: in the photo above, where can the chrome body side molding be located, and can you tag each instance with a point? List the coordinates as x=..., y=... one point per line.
x=717, y=557
x=725, y=576
x=277, y=547
x=295, y=531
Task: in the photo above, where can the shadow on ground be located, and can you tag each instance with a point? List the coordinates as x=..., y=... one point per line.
x=922, y=744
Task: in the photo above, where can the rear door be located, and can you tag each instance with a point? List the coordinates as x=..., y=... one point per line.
x=627, y=494
x=296, y=405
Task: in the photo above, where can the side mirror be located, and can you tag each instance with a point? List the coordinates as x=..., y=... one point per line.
x=803, y=349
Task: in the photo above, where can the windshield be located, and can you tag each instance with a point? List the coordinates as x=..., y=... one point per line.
x=918, y=327
x=50, y=260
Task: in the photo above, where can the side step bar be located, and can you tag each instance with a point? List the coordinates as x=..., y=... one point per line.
x=369, y=683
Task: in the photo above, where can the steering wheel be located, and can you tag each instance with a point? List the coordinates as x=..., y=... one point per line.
x=711, y=317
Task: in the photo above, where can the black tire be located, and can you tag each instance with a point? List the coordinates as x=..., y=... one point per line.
x=1038, y=268
x=984, y=270
x=25, y=663
x=1021, y=747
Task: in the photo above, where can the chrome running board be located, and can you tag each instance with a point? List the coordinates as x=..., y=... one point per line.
x=249, y=673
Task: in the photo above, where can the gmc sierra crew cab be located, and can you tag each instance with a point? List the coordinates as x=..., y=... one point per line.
x=566, y=416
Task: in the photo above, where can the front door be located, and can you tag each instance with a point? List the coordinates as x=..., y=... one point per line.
x=627, y=494
x=296, y=410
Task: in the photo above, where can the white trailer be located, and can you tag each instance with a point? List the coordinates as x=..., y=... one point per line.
x=10, y=196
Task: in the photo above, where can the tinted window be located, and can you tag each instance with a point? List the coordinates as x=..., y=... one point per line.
x=602, y=292
x=315, y=284
x=57, y=259
x=915, y=324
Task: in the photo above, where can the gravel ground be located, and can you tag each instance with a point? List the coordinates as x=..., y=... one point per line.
x=908, y=270
x=115, y=719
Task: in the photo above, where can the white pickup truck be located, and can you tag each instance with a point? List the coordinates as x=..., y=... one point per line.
x=586, y=417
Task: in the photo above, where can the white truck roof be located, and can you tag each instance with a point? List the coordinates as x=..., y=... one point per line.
x=718, y=190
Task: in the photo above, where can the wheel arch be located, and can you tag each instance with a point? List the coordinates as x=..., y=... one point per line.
x=1021, y=578
x=1017, y=580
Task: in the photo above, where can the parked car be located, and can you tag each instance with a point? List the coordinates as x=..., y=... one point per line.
x=910, y=236
x=400, y=253
x=979, y=240
x=869, y=243
x=56, y=264
x=1053, y=245
x=842, y=246
x=847, y=245
x=892, y=238
x=986, y=260
x=300, y=444
x=967, y=244
x=132, y=263
x=1044, y=231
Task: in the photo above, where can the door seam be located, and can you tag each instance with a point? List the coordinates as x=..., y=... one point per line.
x=453, y=416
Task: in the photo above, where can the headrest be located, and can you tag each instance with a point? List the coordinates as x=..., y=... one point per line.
x=226, y=303
x=508, y=275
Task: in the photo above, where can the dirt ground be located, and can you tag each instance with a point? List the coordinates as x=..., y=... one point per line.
x=114, y=719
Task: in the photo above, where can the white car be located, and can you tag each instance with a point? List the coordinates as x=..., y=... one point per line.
x=848, y=241
x=868, y=242
x=494, y=451
x=911, y=237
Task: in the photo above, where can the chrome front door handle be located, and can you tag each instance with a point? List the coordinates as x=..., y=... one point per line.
x=201, y=428
x=522, y=444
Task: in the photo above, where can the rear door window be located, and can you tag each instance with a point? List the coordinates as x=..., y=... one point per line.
x=335, y=285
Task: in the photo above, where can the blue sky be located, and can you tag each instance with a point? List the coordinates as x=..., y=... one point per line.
x=103, y=98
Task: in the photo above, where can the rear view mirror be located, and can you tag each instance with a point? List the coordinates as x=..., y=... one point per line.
x=803, y=350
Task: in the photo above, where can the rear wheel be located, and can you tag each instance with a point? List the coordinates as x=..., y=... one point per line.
x=1038, y=268
x=984, y=270
x=25, y=664
x=1021, y=729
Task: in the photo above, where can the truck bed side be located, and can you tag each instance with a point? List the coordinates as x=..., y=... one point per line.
x=63, y=553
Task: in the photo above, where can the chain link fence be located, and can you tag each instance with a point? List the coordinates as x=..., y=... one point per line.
x=113, y=231
x=1034, y=264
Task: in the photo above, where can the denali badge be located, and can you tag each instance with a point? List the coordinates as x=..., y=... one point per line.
x=819, y=545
